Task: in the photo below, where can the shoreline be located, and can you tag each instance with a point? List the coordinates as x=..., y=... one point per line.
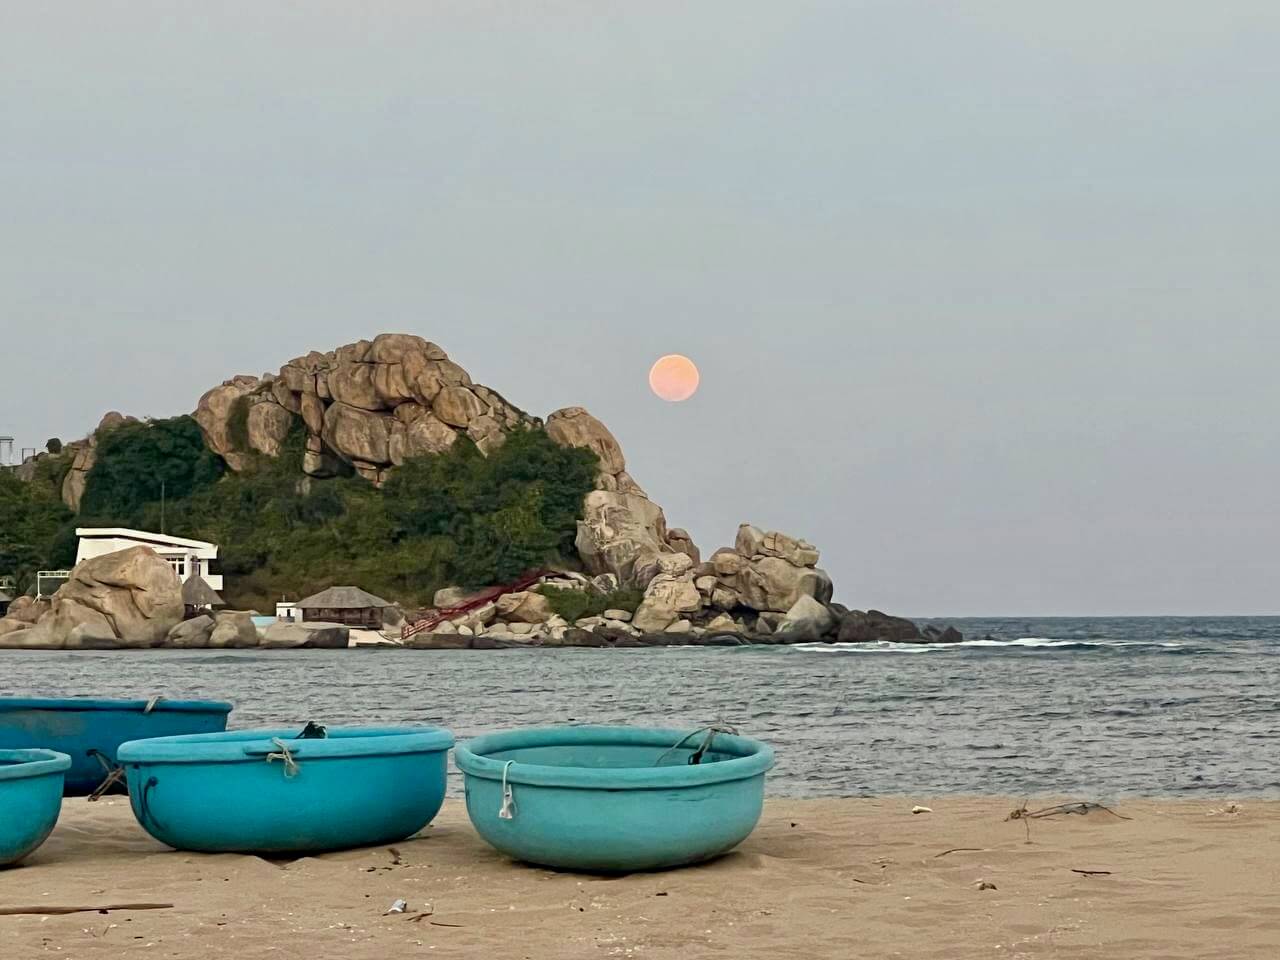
x=818, y=878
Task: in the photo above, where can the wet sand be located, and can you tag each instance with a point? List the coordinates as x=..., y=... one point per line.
x=819, y=878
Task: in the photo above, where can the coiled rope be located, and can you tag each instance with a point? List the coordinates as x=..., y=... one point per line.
x=286, y=755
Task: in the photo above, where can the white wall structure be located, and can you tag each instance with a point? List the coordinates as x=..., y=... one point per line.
x=187, y=557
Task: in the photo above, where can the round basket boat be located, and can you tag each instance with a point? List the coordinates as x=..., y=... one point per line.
x=91, y=731
x=614, y=799
x=30, y=799
x=278, y=791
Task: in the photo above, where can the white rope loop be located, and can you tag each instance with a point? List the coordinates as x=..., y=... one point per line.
x=290, y=764
x=508, y=809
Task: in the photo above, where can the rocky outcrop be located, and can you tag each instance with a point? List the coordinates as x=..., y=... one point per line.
x=620, y=531
x=766, y=571
x=84, y=454
x=874, y=626
x=127, y=599
x=370, y=404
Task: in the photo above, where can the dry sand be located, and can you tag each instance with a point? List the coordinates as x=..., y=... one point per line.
x=819, y=878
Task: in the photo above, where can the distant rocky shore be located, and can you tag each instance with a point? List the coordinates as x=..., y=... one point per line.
x=371, y=405
x=132, y=600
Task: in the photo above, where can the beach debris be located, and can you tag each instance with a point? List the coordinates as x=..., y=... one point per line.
x=1230, y=810
x=399, y=906
x=1092, y=873
x=396, y=858
x=58, y=911
x=921, y=810
x=959, y=850
x=1057, y=810
x=984, y=885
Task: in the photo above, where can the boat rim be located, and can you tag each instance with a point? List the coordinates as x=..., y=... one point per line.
x=252, y=746
x=21, y=764
x=161, y=705
x=753, y=759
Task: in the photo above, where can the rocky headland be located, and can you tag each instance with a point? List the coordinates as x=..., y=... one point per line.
x=368, y=408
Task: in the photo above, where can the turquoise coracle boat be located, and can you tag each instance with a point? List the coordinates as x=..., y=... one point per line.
x=30, y=799
x=90, y=731
x=614, y=799
x=281, y=791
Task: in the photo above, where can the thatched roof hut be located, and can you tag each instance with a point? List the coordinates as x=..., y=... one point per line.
x=347, y=605
x=198, y=595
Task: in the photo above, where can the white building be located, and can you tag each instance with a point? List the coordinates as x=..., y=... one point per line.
x=187, y=557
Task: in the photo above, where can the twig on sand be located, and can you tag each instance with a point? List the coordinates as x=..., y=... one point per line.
x=1058, y=810
x=57, y=911
x=958, y=850
x=1092, y=873
x=396, y=858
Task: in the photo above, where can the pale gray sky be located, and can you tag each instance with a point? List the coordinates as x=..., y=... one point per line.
x=983, y=293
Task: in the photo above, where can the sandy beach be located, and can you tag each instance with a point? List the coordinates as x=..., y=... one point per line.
x=819, y=878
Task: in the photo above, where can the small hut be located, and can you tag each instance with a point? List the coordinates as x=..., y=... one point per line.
x=198, y=597
x=349, y=606
x=5, y=600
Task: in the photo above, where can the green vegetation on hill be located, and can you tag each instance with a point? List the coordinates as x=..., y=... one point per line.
x=36, y=531
x=453, y=518
x=576, y=604
x=136, y=462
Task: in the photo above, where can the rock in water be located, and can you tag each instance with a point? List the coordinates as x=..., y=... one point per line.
x=873, y=626
x=807, y=620
x=293, y=635
x=233, y=629
x=193, y=633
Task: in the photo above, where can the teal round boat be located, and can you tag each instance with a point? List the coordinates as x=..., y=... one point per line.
x=614, y=799
x=30, y=799
x=90, y=731
x=278, y=791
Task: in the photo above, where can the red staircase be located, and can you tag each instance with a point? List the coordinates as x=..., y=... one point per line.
x=475, y=603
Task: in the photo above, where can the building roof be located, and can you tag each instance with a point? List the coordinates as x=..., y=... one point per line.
x=342, y=598
x=196, y=592
x=142, y=536
x=5, y=598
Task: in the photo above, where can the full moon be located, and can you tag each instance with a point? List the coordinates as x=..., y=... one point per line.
x=674, y=378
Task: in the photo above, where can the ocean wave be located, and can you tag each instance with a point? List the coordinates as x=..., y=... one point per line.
x=1021, y=643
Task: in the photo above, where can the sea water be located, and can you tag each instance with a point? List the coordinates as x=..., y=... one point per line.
x=1086, y=708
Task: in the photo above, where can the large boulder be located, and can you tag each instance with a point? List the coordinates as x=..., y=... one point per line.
x=269, y=425
x=193, y=633
x=524, y=607
x=303, y=635
x=665, y=600
x=874, y=626
x=771, y=583
x=130, y=598
x=620, y=531
x=233, y=629
x=356, y=434
x=214, y=412
x=807, y=620
x=575, y=427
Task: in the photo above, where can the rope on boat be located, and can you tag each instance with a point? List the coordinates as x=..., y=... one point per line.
x=285, y=754
x=152, y=703
x=114, y=774
x=508, y=809
x=695, y=758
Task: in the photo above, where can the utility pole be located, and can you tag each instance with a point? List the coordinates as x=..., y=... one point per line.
x=162, y=530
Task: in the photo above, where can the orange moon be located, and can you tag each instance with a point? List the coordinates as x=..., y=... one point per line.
x=674, y=378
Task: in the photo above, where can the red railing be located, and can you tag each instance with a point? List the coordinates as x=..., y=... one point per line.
x=474, y=603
